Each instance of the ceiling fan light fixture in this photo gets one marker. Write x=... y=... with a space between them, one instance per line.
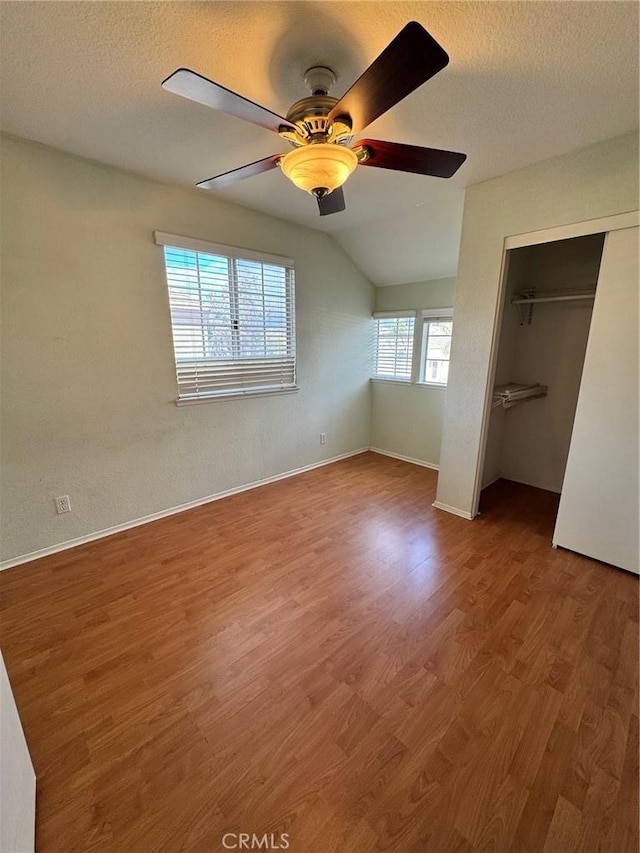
x=318 y=166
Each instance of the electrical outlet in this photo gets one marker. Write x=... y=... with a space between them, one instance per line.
x=323 y=438
x=63 y=504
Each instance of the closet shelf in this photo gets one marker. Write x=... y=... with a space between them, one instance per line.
x=511 y=395
x=556 y=296
x=530 y=297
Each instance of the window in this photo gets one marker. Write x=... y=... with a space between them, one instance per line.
x=233 y=319
x=436 y=350
x=425 y=361
x=394 y=345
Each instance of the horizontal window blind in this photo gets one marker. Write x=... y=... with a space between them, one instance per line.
x=394 y=346
x=436 y=313
x=377 y=315
x=233 y=321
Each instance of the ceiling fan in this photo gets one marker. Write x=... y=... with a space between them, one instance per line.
x=321 y=128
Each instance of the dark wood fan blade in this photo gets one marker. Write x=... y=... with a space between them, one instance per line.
x=332 y=203
x=412 y=158
x=406 y=63
x=239 y=174
x=189 y=84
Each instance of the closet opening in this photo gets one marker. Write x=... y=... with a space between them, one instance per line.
x=548 y=301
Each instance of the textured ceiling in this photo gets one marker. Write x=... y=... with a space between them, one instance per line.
x=526 y=81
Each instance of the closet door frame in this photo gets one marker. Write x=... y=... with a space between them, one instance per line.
x=601 y=225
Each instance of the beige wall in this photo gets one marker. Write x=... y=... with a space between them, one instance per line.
x=407 y=419
x=87 y=363
x=597 y=181
x=437 y=293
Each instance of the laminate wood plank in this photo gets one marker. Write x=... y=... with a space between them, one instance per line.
x=497 y=833
x=535 y=821
x=623 y=829
x=330 y=657
x=479 y=785
x=530 y=752
x=564 y=832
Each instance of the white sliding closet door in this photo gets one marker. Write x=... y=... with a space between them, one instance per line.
x=599 y=514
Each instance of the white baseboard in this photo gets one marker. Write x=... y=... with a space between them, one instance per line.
x=453 y=510
x=490 y=482
x=164 y=513
x=404 y=458
x=544 y=486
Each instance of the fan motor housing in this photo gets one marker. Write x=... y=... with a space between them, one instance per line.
x=311 y=114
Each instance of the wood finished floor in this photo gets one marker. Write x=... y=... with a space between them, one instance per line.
x=331 y=658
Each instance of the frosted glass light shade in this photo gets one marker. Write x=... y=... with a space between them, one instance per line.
x=319 y=165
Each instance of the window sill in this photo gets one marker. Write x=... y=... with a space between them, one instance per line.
x=236 y=395
x=391 y=381
x=408 y=384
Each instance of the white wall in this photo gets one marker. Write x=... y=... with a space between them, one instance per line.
x=17 y=779
x=88 y=378
x=535 y=436
x=407 y=419
x=597 y=181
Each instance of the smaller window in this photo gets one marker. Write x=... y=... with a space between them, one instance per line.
x=394 y=345
x=436 y=349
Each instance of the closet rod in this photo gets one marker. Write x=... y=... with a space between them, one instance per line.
x=566 y=297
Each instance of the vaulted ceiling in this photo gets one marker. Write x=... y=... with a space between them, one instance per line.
x=526 y=81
